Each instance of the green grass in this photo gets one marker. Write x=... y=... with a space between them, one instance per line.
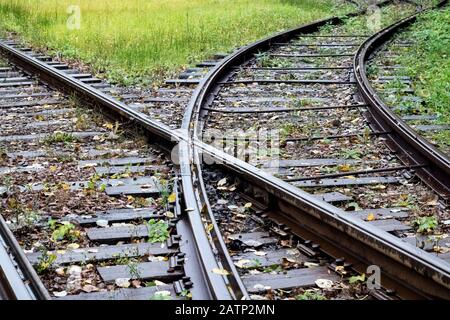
x=427 y=62
x=136 y=39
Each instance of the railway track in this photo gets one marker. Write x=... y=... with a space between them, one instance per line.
x=113 y=218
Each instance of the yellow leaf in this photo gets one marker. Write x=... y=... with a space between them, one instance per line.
x=172 y=198
x=248 y=205
x=370 y=217
x=39 y=118
x=108 y=125
x=222 y=272
x=65 y=186
x=210 y=227
x=344 y=168
x=53 y=168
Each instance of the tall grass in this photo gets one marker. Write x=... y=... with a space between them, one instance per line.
x=129 y=39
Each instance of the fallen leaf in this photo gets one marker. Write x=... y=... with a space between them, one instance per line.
x=60 y=271
x=310 y=264
x=344 y=168
x=172 y=198
x=339 y=268
x=60 y=293
x=89 y=288
x=324 y=283
x=65 y=186
x=433 y=202
x=102 y=223
x=74 y=270
x=252 y=243
x=370 y=217
x=53 y=168
x=169 y=214
x=108 y=125
x=222 y=272
x=260 y=287
x=73 y=246
x=222 y=182
x=123 y=282
x=260 y=253
x=244 y=263
x=248 y=205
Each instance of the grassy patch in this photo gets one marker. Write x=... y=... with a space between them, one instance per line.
x=427 y=63
x=60 y=137
x=136 y=39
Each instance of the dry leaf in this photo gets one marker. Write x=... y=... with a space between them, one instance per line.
x=222 y=272
x=344 y=168
x=108 y=125
x=370 y=217
x=169 y=214
x=324 y=283
x=123 y=282
x=222 y=182
x=73 y=246
x=89 y=288
x=60 y=293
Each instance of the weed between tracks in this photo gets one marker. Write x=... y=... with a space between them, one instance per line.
x=133 y=39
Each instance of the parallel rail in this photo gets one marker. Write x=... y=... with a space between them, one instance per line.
x=402 y=263
x=412 y=147
x=406 y=266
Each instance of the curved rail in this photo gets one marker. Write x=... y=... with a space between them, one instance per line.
x=413 y=148
x=399 y=260
x=409 y=264
x=216 y=286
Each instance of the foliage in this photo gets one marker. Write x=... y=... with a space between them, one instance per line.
x=60 y=137
x=310 y=295
x=63 y=230
x=425 y=225
x=45 y=261
x=357 y=279
x=158 y=231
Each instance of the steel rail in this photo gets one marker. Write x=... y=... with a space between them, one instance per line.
x=418 y=270
x=300 y=206
x=22 y=283
x=217 y=284
x=412 y=148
